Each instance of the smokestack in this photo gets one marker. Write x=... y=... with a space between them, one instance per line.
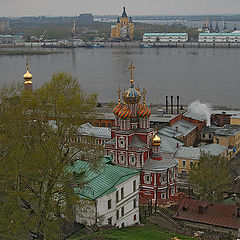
x=177 y=104
x=171 y=104
x=166 y=104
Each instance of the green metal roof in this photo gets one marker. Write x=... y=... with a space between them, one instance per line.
x=219 y=34
x=103 y=181
x=165 y=34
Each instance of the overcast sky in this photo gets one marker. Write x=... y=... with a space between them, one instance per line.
x=134 y=7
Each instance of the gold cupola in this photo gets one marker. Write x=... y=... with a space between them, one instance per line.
x=27 y=76
x=156 y=141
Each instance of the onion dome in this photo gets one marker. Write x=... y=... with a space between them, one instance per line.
x=27 y=76
x=117 y=109
x=156 y=140
x=124 y=113
x=131 y=95
x=144 y=112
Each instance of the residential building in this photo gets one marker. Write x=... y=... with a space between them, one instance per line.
x=182 y=130
x=165 y=37
x=85 y=18
x=134 y=144
x=209 y=216
x=99 y=135
x=222 y=117
x=219 y=38
x=187 y=156
x=196 y=119
x=229 y=136
x=111 y=196
x=208 y=133
x=124 y=28
x=235 y=120
x=108 y=120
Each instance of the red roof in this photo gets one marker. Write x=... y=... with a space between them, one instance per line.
x=213 y=214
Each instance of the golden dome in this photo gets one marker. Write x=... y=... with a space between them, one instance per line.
x=156 y=140
x=27 y=75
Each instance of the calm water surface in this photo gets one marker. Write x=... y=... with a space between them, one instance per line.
x=210 y=75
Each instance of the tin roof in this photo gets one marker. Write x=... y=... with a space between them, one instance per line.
x=159 y=165
x=195 y=152
x=228 y=130
x=165 y=34
x=180 y=128
x=196 y=116
x=102 y=182
x=169 y=144
x=212 y=214
x=219 y=34
x=89 y=130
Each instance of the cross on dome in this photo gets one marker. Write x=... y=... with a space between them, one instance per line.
x=119 y=94
x=131 y=68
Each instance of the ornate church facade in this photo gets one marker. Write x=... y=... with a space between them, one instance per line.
x=135 y=145
x=124 y=27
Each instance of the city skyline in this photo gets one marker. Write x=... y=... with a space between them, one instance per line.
x=105 y=7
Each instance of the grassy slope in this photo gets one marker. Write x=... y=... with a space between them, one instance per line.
x=140 y=232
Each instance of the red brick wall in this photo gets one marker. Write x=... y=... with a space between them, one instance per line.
x=220 y=119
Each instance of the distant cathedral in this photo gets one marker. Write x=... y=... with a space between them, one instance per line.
x=124 y=27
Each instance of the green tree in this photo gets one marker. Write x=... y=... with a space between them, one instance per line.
x=36 y=128
x=210 y=177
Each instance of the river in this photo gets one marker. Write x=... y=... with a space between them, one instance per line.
x=209 y=75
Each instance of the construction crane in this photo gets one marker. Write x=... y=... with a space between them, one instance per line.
x=42 y=36
x=74 y=28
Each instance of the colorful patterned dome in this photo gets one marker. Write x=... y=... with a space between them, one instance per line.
x=124 y=113
x=117 y=109
x=132 y=95
x=144 y=112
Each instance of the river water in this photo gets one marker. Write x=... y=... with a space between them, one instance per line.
x=209 y=75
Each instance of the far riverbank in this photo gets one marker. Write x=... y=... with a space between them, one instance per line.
x=20 y=52
x=137 y=44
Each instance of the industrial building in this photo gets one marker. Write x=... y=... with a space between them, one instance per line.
x=219 y=37
x=165 y=37
x=11 y=39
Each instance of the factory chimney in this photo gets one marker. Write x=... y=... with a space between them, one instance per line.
x=166 y=104
x=177 y=104
x=171 y=104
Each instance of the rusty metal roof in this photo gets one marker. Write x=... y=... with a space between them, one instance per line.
x=213 y=214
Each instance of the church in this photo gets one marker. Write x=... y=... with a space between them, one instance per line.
x=135 y=145
x=124 y=28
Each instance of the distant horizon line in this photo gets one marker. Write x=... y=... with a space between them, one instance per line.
x=132 y=15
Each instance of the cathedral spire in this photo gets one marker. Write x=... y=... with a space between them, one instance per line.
x=124 y=14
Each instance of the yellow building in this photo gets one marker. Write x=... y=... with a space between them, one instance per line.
x=187 y=156
x=229 y=136
x=124 y=27
x=235 y=120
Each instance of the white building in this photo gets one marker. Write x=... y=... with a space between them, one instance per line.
x=99 y=134
x=219 y=37
x=165 y=37
x=11 y=39
x=111 y=196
